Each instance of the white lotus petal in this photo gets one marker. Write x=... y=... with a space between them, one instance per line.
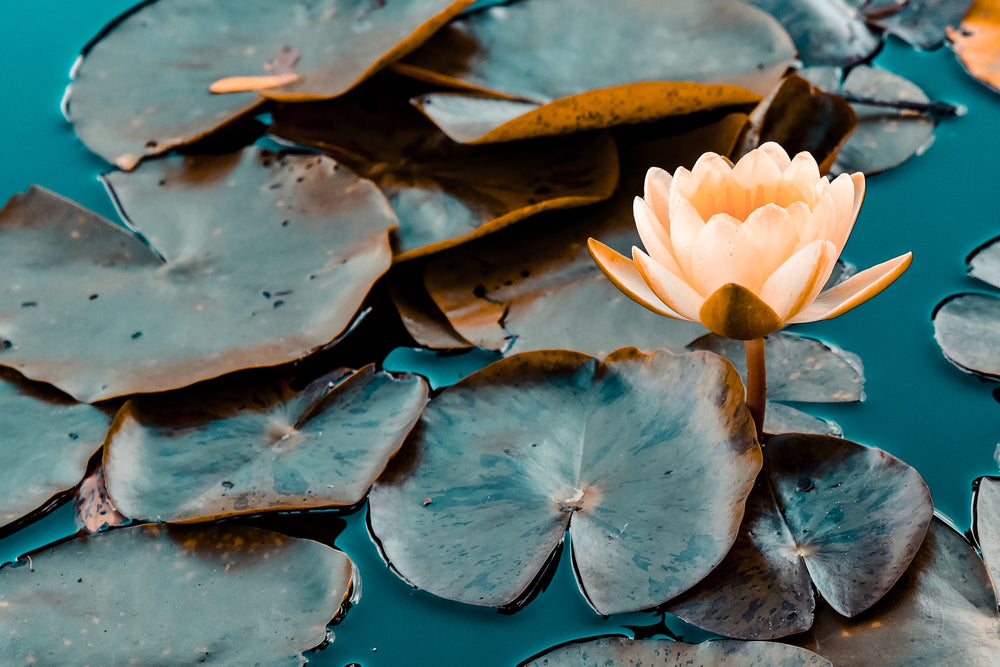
x=773 y=233
x=670 y=288
x=685 y=226
x=756 y=169
x=654 y=237
x=798 y=181
x=820 y=224
x=797 y=282
x=722 y=254
x=657 y=193
x=854 y=291
x=623 y=273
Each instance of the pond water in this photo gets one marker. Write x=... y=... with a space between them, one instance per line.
x=940 y=205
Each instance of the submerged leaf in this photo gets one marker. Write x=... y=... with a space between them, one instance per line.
x=846 y=517
x=967 y=328
x=625 y=652
x=174 y=595
x=143 y=86
x=252 y=260
x=646 y=460
x=207 y=452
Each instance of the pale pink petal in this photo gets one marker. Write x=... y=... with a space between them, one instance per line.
x=798 y=181
x=773 y=233
x=657 y=193
x=847 y=200
x=722 y=254
x=709 y=162
x=685 y=226
x=820 y=224
x=854 y=291
x=799 y=280
x=623 y=274
x=683 y=184
x=756 y=173
x=715 y=179
x=776 y=153
x=654 y=237
x=670 y=288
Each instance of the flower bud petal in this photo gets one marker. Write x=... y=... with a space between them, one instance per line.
x=656 y=192
x=797 y=282
x=654 y=237
x=723 y=254
x=854 y=291
x=671 y=289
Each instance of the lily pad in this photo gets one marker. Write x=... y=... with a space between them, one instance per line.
x=846 y=517
x=645 y=459
x=566 y=65
x=446 y=193
x=252 y=260
x=142 y=87
x=984 y=262
x=154 y=595
x=826 y=32
x=622 y=652
x=208 y=452
x=986 y=522
x=780 y=418
x=923 y=23
x=943 y=611
x=45 y=443
x=967 y=328
x=976 y=42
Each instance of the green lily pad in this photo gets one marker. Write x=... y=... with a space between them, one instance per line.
x=780 y=418
x=566 y=65
x=986 y=522
x=153 y=595
x=967 y=329
x=622 y=652
x=142 y=86
x=943 y=611
x=45 y=443
x=884 y=137
x=446 y=193
x=846 y=517
x=208 y=452
x=826 y=32
x=253 y=260
x=645 y=459
x=984 y=262
x=923 y=23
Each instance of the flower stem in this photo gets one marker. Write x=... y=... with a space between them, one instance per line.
x=756 y=383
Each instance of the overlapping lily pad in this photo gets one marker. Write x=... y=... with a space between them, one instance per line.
x=208 y=451
x=943 y=611
x=845 y=517
x=252 y=260
x=826 y=32
x=922 y=23
x=645 y=459
x=986 y=522
x=566 y=65
x=153 y=595
x=622 y=652
x=967 y=325
x=143 y=86
x=45 y=443
x=445 y=193
x=976 y=42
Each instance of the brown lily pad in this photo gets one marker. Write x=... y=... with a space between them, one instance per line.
x=976 y=42
x=229 y=262
x=142 y=87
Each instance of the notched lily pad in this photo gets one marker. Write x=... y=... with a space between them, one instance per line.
x=155 y=595
x=645 y=459
x=826 y=32
x=252 y=260
x=143 y=86
x=207 y=452
x=943 y=611
x=45 y=443
x=446 y=193
x=846 y=517
x=622 y=652
x=967 y=329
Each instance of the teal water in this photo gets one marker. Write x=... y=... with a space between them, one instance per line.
x=940 y=205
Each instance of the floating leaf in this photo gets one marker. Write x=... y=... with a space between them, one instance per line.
x=986 y=522
x=942 y=612
x=976 y=42
x=420 y=316
x=208 y=452
x=253 y=260
x=967 y=328
x=847 y=517
x=445 y=193
x=984 y=262
x=645 y=459
x=826 y=32
x=780 y=418
x=45 y=444
x=625 y=652
x=174 y=595
x=923 y=23
x=142 y=87
x=566 y=65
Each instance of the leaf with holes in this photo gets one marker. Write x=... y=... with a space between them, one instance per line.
x=208 y=451
x=173 y=595
x=645 y=459
x=144 y=85
x=847 y=518
x=252 y=260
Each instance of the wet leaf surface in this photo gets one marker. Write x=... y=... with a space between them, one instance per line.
x=211 y=451
x=445 y=193
x=646 y=460
x=967 y=328
x=142 y=88
x=567 y=66
x=781 y=418
x=846 y=517
x=923 y=23
x=622 y=652
x=826 y=32
x=45 y=443
x=253 y=260
x=986 y=522
x=220 y=595
x=976 y=42
x=943 y=611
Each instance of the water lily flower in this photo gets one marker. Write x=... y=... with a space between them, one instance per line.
x=745 y=249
